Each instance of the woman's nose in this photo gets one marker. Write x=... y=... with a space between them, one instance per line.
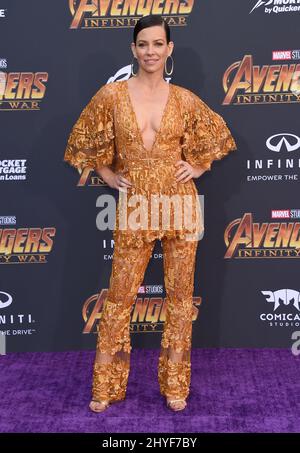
x=150 y=50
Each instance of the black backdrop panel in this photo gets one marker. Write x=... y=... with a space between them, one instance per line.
x=241 y=58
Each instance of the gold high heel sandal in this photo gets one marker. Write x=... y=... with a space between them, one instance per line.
x=106 y=404
x=170 y=402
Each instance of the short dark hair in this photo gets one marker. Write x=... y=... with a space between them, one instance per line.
x=149 y=21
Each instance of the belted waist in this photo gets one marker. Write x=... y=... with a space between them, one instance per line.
x=148 y=162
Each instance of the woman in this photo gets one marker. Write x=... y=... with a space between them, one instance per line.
x=148 y=138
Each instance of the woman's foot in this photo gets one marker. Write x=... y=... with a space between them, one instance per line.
x=99 y=406
x=176 y=405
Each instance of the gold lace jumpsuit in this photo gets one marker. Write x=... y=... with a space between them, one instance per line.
x=107 y=133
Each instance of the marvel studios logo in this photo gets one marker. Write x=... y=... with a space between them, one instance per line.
x=285 y=214
x=151 y=289
x=286 y=54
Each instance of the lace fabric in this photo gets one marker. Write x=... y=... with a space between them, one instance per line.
x=107 y=134
x=174 y=367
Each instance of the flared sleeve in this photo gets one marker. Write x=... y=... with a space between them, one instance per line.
x=206 y=135
x=91 y=141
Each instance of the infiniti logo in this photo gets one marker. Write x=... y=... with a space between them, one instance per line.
x=7 y=300
x=276 y=142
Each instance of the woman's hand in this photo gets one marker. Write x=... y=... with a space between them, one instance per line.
x=114 y=180
x=187 y=172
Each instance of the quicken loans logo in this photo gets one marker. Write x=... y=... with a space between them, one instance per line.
x=120 y=14
x=277 y=6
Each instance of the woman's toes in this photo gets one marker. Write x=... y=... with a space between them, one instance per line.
x=97 y=406
x=177 y=405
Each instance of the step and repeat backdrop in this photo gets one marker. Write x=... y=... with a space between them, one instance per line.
x=243 y=59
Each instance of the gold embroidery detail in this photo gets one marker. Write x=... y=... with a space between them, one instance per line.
x=106 y=134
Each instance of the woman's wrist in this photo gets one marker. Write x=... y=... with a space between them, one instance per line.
x=199 y=170
x=104 y=172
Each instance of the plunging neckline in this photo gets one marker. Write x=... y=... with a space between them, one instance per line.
x=137 y=124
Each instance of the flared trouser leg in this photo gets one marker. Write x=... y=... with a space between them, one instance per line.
x=110 y=376
x=174 y=366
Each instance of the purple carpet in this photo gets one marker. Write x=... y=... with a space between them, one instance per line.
x=232 y=391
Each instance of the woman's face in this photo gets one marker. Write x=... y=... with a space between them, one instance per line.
x=151 y=49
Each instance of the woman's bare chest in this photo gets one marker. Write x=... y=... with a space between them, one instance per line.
x=147 y=125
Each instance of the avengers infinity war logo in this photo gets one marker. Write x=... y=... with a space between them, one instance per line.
x=247 y=239
x=125 y=13
x=246 y=83
x=147 y=315
x=22 y=90
x=26 y=245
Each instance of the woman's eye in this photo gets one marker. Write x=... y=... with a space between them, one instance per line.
x=158 y=44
